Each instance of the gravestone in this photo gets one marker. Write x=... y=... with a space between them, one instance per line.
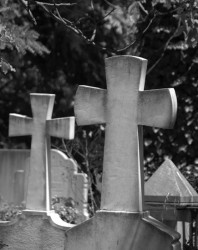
x=122 y=223
x=38 y=227
x=40 y=127
x=170 y=198
x=67 y=182
x=65 y=179
x=12 y=161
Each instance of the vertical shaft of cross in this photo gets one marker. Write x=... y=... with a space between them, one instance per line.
x=39 y=172
x=123 y=140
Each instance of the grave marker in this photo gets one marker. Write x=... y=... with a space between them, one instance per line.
x=124 y=107
x=40 y=127
x=66 y=181
x=10 y=162
x=167 y=184
x=171 y=199
x=121 y=224
x=38 y=227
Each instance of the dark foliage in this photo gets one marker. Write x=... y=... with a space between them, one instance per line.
x=164 y=32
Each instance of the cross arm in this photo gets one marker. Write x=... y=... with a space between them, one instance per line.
x=90 y=105
x=157 y=108
x=61 y=127
x=19 y=125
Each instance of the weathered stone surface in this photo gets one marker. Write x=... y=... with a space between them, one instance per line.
x=168 y=185
x=40 y=127
x=169 y=196
x=10 y=162
x=124 y=107
x=66 y=181
x=19 y=184
x=32 y=231
x=121 y=231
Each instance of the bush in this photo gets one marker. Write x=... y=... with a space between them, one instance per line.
x=9 y=212
x=66 y=208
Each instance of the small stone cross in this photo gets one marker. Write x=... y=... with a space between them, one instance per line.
x=124 y=107
x=40 y=127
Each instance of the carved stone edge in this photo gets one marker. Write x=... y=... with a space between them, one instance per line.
x=144 y=216
x=162 y=227
x=53 y=218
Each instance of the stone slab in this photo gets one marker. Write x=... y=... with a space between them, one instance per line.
x=121 y=223
x=33 y=232
x=66 y=181
x=121 y=231
x=169 y=197
x=168 y=185
x=10 y=162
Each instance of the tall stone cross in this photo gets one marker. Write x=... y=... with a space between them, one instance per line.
x=124 y=107
x=40 y=127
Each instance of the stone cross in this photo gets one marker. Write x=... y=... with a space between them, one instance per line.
x=124 y=107
x=40 y=127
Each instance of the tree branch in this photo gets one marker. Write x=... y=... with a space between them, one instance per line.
x=57 y=4
x=68 y=24
x=26 y=6
x=164 y=49
x=65 y=22
x=139 y=37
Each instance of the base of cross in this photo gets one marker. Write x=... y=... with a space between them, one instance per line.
x=34 y=230
x=122 y=231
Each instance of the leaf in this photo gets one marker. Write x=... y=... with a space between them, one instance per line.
x=134 y=12
x=168 y=4
x=192 y=38
x=5 y=66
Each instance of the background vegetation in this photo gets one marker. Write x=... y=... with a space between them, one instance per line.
x=54 y=46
